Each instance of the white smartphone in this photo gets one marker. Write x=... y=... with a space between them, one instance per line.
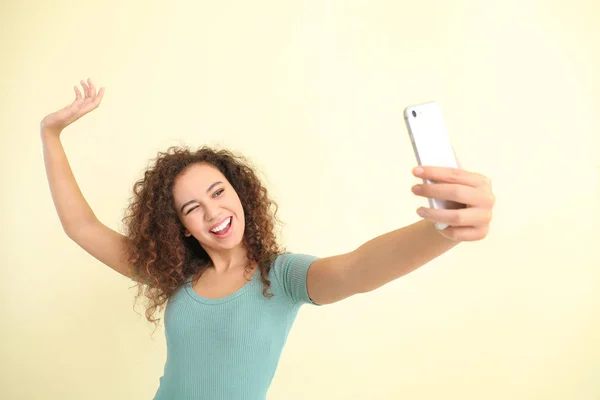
x=431 y=145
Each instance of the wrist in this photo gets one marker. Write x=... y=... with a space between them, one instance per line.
x=49 y=133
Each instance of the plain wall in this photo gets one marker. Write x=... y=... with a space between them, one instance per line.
x=313 y=93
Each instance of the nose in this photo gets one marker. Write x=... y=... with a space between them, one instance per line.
x=210 y=213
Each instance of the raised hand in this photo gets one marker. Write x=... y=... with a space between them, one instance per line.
x=57 y=121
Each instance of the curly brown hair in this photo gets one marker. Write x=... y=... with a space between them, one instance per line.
x=162 y=258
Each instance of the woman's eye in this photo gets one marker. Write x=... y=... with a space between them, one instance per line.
x=191 y=209
x=218 y=192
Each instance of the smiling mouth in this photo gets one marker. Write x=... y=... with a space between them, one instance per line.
x=223 y=228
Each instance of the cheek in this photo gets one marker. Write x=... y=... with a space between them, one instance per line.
x=241 y=214
x=194 y=222
x=236 y=205
x=239 y=211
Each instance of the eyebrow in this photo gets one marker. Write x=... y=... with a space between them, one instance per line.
x=207 y=190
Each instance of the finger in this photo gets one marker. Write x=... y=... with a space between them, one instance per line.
x=77 y=103
x=93 y=104
x=77 y=93
x=86 y=89
x=472 y=216
x=98 y=98
x=96 y=102
x=450 y=175
x=454 y=192
x=466 y=234
x=92 y=88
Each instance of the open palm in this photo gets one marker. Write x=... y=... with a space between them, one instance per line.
x=82 y=105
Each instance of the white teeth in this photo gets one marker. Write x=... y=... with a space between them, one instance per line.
x=224 y=225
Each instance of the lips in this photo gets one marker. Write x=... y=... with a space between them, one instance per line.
x=221 y=227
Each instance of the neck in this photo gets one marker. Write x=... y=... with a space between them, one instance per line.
x=228 y=260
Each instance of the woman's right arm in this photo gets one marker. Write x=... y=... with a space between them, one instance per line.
x=76 y=216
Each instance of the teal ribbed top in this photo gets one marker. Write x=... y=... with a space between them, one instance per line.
x=228 y=348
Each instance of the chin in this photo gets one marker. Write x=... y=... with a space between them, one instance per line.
x=233 y=243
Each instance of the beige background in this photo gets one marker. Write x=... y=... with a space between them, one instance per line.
x=313 y=93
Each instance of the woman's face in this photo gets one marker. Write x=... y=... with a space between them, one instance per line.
x=209 y=208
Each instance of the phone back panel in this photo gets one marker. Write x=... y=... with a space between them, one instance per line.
x=431 y=142
x=429 y=136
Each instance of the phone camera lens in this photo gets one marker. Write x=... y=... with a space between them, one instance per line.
x=414 y=113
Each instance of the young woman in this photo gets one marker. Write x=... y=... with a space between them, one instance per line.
x=200 y=243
